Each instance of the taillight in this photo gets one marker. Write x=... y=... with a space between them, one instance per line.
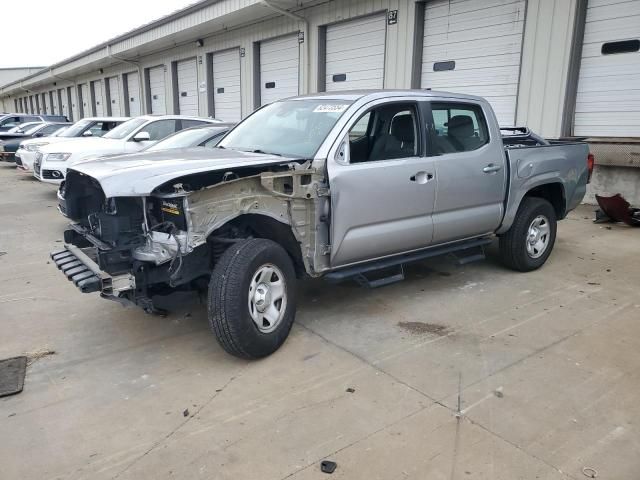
x=591 y=160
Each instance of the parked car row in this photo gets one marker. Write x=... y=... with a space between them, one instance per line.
x=47 y=151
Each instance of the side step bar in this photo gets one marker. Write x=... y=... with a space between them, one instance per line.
x=358 y=272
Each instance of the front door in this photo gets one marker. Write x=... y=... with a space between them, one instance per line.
x=470 y=169
x=383 y=189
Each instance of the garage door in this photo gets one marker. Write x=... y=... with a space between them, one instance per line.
x=98 y=106
x=133 y=94
x=608 y=97
x=64 y=102
x=53 y=98
x=226 y=85
x=474 y=47
x=187 y=73
x=114 y=96
x=355 y=54
x=279 y=63
x=157 y=90
x=43 y=101
x=84 y=101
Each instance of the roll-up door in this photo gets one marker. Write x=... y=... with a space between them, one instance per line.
x=474 y=47
x=608 y=96
x=355 y=54
x=64 y=102
x=38 y=110
x=187 y=74
x=53 y=97
x=114 y=96
x=279 y=64
x=133 y=94
x=98 y=106
x=157 y=90
x=43 y=100
x=85 y=110
x=226 y=85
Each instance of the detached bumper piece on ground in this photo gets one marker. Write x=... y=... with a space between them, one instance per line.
x=617 y=209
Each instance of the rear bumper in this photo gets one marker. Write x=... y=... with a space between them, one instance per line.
x=79 y=267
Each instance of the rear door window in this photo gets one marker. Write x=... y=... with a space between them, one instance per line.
x=457 y=127
x=160 y=129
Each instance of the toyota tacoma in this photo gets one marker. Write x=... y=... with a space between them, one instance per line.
x=338 y=185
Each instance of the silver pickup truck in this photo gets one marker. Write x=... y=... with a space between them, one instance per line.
x=342 y=185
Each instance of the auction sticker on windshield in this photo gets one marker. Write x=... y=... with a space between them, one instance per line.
x=330 y=108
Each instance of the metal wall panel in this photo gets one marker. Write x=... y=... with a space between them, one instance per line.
x=608 y=96
x=157 y=90
x=133 y=94
x=226 y=89
x=474 y=47
x=98 y=102
x=187 y=87
x=279 y=68
x=114 y=96
x=355 y=52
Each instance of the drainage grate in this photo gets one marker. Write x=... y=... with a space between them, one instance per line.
x=12 y=371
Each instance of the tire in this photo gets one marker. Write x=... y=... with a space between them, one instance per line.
x=516 y=250
x=243 y=269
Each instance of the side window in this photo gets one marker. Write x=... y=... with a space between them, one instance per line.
x=29 y=119
x=10 y=121
x=98 y=129
x=359 y=130
x=458 y=127
x=385 y=133
x=49 y=129
x=160 y=129
x=190 y=123
x=213 y=141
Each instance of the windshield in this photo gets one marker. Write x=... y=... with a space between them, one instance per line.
x=76 y=129
x=294 y=128
x=60 y=132
x=126 y=128
x=185 y=139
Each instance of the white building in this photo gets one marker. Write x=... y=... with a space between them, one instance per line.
x=562 y=67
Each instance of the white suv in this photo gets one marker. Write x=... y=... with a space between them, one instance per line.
x=87 y=127
x=132 y=136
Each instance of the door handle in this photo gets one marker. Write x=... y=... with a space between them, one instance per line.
x=491 y=168
x=421 y=177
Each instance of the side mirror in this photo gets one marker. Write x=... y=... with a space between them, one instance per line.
x=87 y=133
x=141 y=137
x=39 y=134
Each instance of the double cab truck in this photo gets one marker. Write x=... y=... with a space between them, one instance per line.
x=336 y=185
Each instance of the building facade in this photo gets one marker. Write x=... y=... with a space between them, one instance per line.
x=564 y=68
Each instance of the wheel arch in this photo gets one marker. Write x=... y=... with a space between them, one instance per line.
x=552 y=190
x=259 y=225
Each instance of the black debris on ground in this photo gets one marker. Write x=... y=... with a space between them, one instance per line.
x=327 y=466
x=12 y=372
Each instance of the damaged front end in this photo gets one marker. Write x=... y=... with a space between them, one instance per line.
x=130 y=249
x=126 y=248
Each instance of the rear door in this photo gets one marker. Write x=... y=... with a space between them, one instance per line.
x=382 y=194
x=470 y=171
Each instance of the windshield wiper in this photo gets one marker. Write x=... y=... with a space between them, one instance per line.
x=257 y=150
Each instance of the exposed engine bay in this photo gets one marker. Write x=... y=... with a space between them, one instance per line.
x=170 y=240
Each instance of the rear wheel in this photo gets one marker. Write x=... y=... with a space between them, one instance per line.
x=252 y=298
x=529 y=241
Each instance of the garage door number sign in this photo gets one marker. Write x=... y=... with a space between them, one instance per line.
x=392 y=17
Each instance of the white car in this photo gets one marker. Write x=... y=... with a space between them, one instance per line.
x=132 y=136
x=87 y=127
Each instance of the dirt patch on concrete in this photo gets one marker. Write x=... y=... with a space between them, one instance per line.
x=422 y=328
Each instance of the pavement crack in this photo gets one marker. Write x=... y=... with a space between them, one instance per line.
x=367 y=362
x=182 y=424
